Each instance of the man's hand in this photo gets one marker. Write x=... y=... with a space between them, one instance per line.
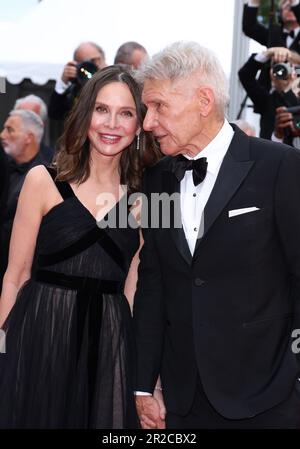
x=283 y=120
x=148 y=410
x=158 y=395
x=286 y=4
x=255 y=3
x=69 y=72
x=279 y=54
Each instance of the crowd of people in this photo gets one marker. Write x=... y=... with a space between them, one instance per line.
x=150 y=266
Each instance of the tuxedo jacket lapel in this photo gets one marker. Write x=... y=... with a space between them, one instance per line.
x=234 y=169
x=171 y=186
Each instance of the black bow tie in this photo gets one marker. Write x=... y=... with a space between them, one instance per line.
x=182 y=164
x=291 y=34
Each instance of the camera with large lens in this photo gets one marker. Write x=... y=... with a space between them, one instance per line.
x=282 y=70
x=85 y=71
x=295 y=111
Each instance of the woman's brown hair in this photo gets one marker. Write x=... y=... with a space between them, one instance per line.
x=72 y=160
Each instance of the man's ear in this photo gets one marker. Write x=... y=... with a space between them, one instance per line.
x=30 y=137
x=206 y=99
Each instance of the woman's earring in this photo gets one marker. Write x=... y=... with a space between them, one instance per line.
x=138 y=142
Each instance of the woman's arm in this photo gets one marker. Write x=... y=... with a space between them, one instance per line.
x=23 y=239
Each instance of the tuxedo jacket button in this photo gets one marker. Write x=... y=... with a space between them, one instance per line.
x=199 y=282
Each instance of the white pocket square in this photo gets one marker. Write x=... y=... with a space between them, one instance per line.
x=244 y=210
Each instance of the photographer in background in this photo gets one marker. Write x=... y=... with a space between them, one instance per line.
x=284 y=34
x=265 y=101
x=67 y=87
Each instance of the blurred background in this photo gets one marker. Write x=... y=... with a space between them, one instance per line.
x=39 y=37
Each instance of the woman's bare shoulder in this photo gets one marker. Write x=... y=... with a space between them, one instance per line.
x=39 y=175
x=40 y=187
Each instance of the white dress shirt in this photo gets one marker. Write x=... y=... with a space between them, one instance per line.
x=61 y=86
x=194 y=198
x=290 y=39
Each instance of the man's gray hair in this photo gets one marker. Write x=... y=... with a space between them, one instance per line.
x=96 y=46
x=34 y=99
x=180 y=60
x=30 y=121
x=125 y=52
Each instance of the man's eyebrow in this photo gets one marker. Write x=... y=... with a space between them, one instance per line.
x=153 y=100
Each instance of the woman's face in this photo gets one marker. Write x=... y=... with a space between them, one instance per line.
x=114 y=120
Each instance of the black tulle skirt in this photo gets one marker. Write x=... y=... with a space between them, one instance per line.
x=69 y=359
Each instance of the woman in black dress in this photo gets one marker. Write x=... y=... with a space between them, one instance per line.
x=69 y=360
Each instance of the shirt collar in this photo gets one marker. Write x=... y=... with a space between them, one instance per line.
x=217 y=148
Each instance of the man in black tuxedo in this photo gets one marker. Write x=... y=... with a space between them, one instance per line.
x=218 y=298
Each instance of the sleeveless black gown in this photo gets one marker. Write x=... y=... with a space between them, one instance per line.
x=69 y=360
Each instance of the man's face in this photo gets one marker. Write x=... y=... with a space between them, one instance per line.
x=287 y=14
x=13 y=137
x=173 y=114
x=88 y=52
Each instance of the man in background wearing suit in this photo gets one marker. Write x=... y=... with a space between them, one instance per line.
x=217 y=299
x=265 y=101
x=285 y=34
x=21 y=137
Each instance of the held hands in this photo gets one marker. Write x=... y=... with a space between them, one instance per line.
x=69 y=72
x=151 y=411
x=158 y=395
